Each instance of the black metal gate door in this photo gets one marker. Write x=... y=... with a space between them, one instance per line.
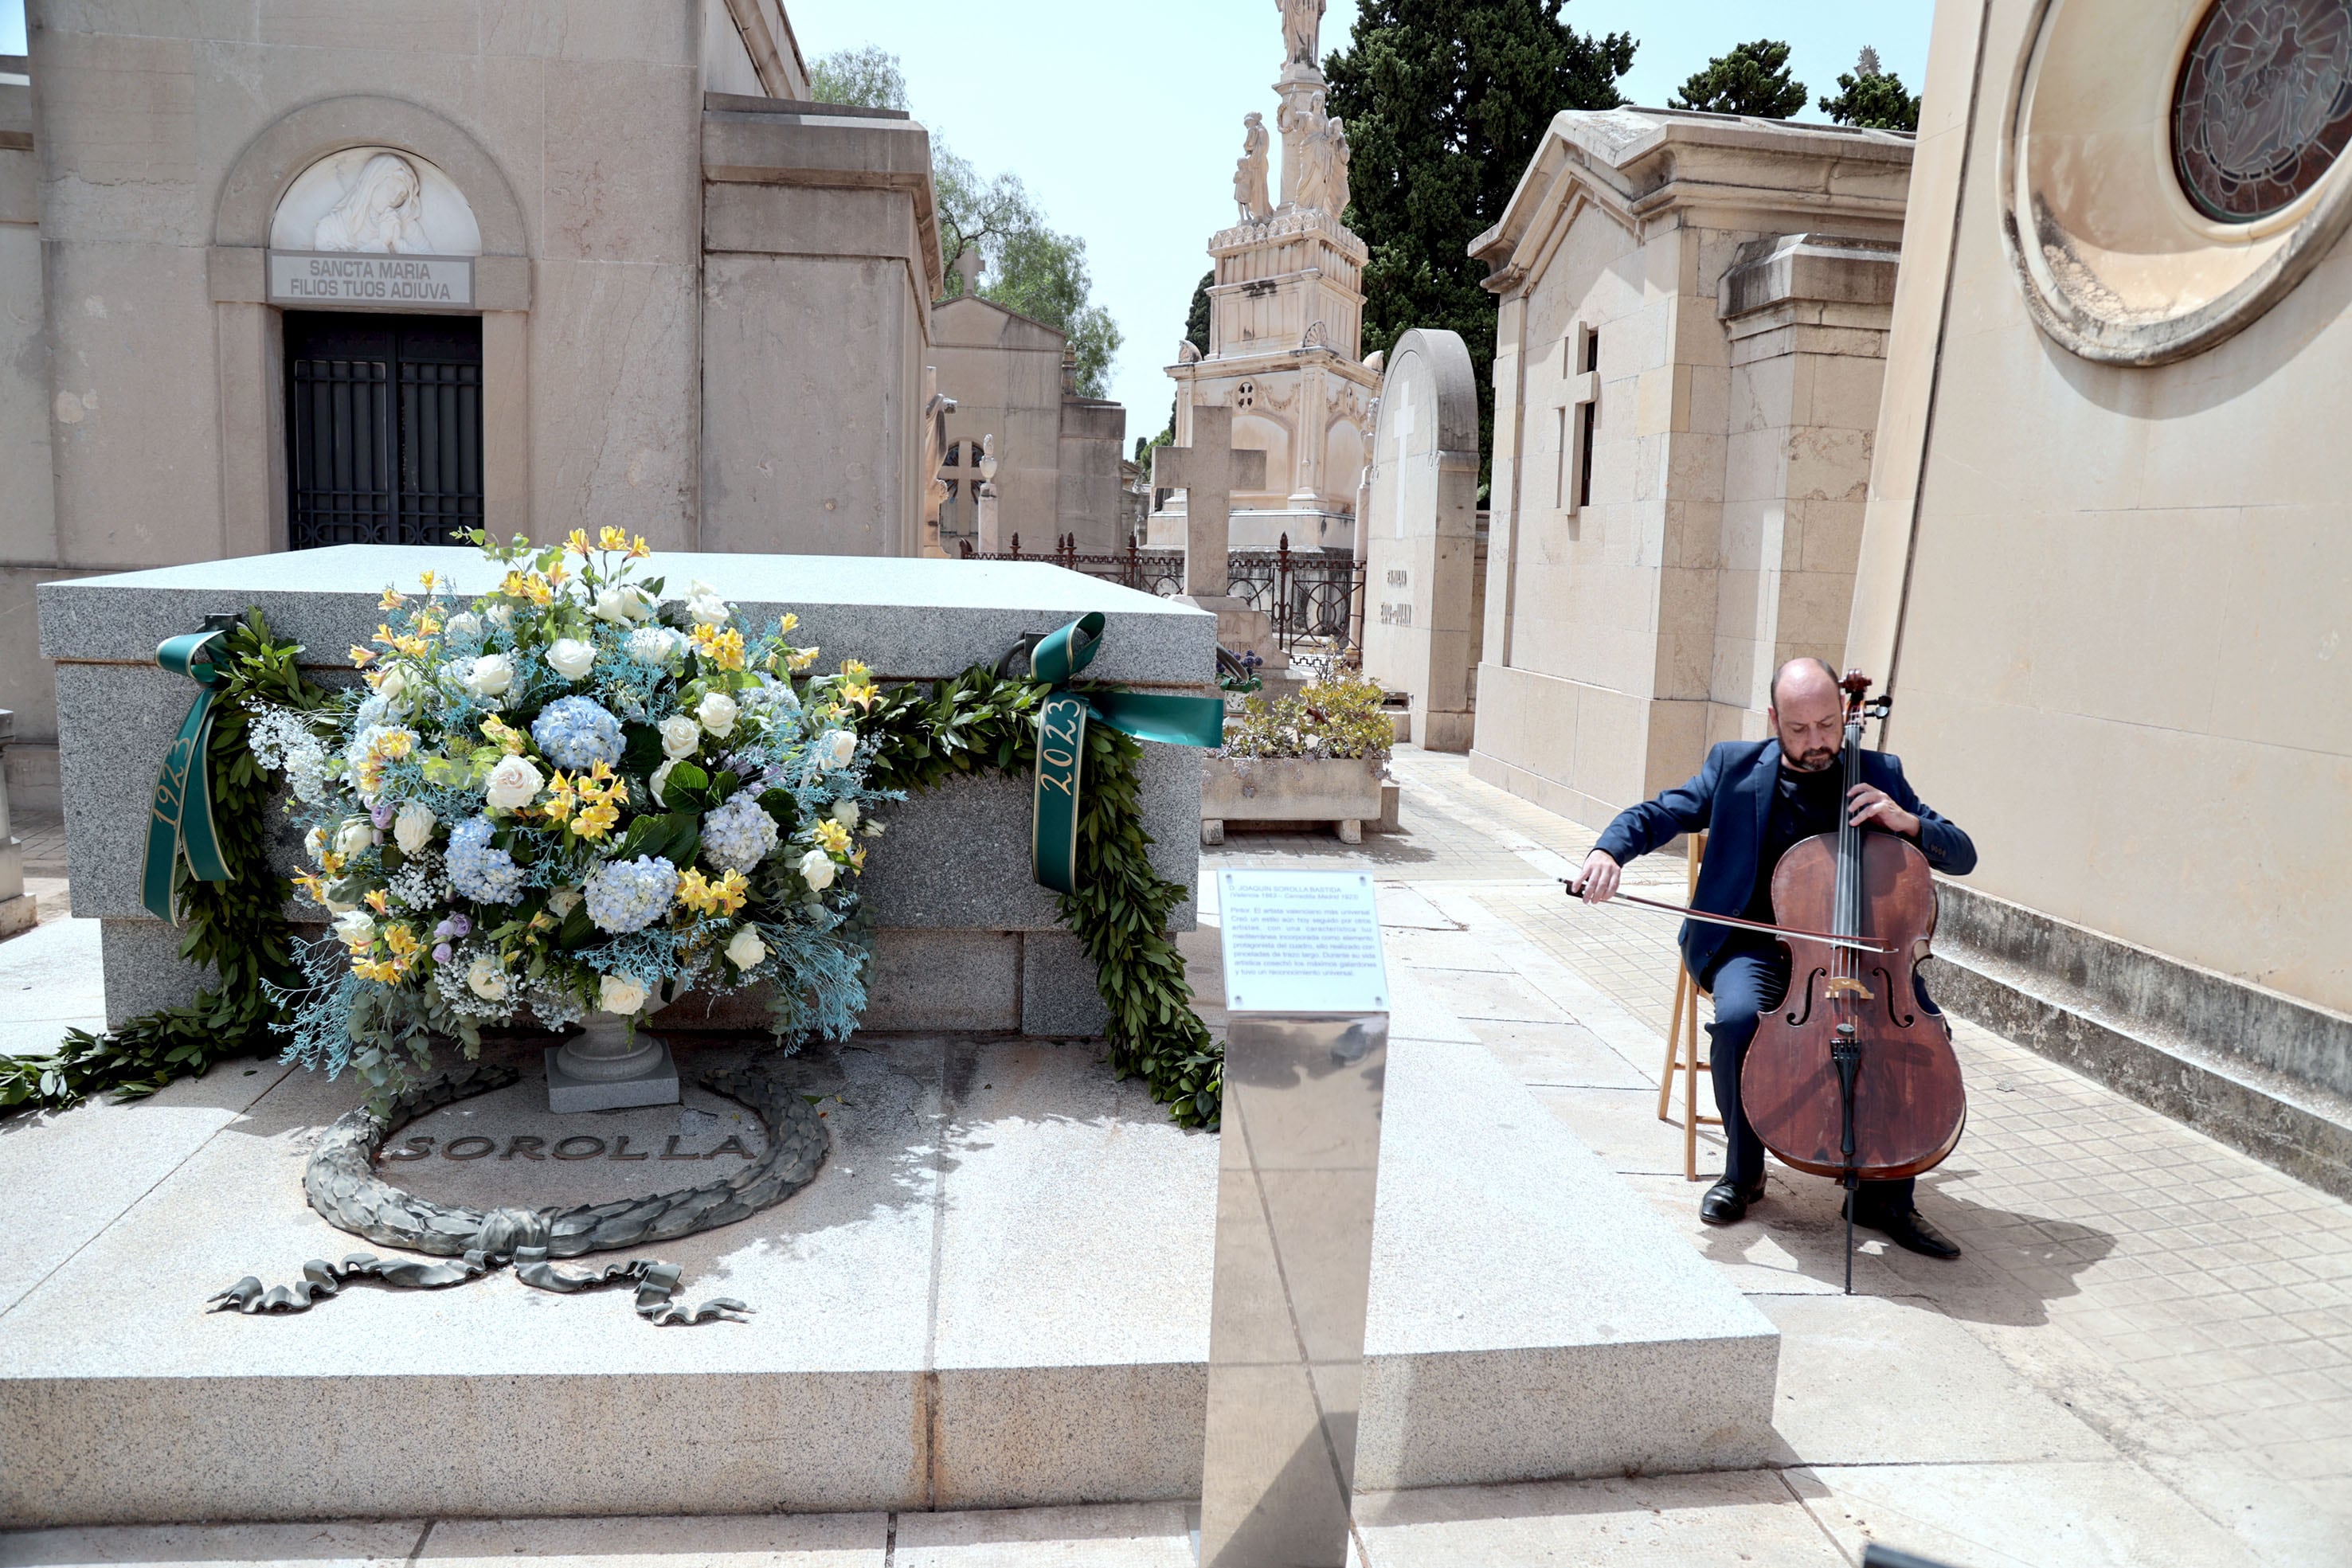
x=383 y=428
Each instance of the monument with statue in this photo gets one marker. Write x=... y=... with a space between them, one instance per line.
x=1286 y=322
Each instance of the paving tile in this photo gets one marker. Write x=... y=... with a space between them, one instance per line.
x=1748 y=1517
x=2095 y=1515
x=1131 y=1535
x=726 y=1540
x=1564 y=1055
x=1621 y=1126
x=347 y=1544
x=1881 y=1380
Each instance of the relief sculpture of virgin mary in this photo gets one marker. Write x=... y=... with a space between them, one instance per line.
x=383 y=211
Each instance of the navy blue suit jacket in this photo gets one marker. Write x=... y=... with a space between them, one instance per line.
x=1729 y=797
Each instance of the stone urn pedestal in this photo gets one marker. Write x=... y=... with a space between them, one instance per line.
x=611 y=1067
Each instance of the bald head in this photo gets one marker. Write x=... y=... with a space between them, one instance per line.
x=1807 y=713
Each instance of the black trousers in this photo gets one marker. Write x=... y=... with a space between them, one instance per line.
x=1749 y=977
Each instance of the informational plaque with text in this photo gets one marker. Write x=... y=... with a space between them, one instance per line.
x=1301 y=942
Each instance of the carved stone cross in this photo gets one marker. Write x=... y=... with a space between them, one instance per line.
x=1208 y=472
x=1579 y=409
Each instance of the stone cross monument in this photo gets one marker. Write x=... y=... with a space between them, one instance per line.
x=1286 y=322
x=1209 y=471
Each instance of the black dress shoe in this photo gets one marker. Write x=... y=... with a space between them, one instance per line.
x=1726 y=1203
x=1910 y=1231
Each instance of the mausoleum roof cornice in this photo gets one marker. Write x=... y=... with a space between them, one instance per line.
x=831 y=146
x=1641 y=165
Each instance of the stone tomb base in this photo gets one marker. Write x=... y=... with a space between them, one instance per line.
x=995 y=1294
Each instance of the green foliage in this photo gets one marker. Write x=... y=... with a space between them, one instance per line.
x=869 y=78
x=238 y=926
x=1338 y=716
x=1753 y=78
x=1445 y=101
x=1031 y=267
x=1873 y=97
x=1196 y=318
x=977 y=723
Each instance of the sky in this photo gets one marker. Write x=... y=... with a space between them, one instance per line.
x=1124 y=120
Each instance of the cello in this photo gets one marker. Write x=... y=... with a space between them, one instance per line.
x=1849 y=1077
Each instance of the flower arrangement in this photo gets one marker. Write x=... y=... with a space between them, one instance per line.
x=569 y=795
x=1338 y=714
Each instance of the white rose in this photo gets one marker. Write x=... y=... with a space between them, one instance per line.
x=717 y=712
x=491 y=676
x=658 y=785
x=746 y=949
x=465 y=626
x=354 y=837
x=841 y=745
x=570 y=657
x=563 y=901
x=413 y=828
x=393 y=688
x=315 y=841
x=355 y=929
x=816 y=870
x=702 y=602
x=619 y=994
x=619 y=606
x=512 y=784
x=845 y=813
x=680 y=734
x=500 y=616
x=486 y=981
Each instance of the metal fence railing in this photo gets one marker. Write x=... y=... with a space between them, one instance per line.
x=1310 y=595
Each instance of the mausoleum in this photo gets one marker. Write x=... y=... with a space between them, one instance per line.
x=572 y=267
x=1687 y=364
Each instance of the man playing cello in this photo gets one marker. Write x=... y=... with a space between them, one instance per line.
x=1758 y=798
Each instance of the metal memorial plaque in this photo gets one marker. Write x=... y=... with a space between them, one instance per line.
x=1301 y=942
x=1306 y=1055
x=356 y=280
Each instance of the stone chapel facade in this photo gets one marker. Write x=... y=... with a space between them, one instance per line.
x=272 y=278
x=1688 y=359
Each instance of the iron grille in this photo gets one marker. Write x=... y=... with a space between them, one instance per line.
x=383 y=428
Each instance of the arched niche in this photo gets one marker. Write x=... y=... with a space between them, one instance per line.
x=305 y=157
x=296 y=143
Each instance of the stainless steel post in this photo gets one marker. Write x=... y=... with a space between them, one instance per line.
x=1298 y=1177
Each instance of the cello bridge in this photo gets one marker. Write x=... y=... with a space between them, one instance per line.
x=1847 y=983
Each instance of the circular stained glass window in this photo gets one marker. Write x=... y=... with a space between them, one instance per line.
x=2263 y=104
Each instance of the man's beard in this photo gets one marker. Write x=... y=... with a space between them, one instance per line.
x=1811 y=761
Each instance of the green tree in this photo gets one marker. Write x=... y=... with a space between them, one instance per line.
x=868 y=76
x=1752 y=79
x=1029 y=266
x=1873 y=97
x=1445 y=101
x=1196 y=319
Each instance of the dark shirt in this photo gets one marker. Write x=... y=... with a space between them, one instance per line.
x=1803 y=804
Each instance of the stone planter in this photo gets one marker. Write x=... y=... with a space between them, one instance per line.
x=1343 y=791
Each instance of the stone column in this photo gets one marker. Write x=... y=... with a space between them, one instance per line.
x=17 y=909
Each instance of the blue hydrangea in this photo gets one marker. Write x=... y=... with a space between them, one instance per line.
x=478 y=870
x=738 y=835
x=629 y=895
x=576 y=732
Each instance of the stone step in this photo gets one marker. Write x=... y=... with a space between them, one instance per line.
x=996 y=1293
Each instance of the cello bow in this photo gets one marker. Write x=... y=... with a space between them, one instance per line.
x=1576 y=890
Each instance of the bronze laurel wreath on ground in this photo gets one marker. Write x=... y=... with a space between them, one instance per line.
x=976 y=723
x=341 y=1184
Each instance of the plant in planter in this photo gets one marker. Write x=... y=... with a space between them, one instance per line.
x=1318 y=756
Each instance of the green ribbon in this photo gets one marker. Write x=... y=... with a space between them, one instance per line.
x=1061 y=740
x=182 y=821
